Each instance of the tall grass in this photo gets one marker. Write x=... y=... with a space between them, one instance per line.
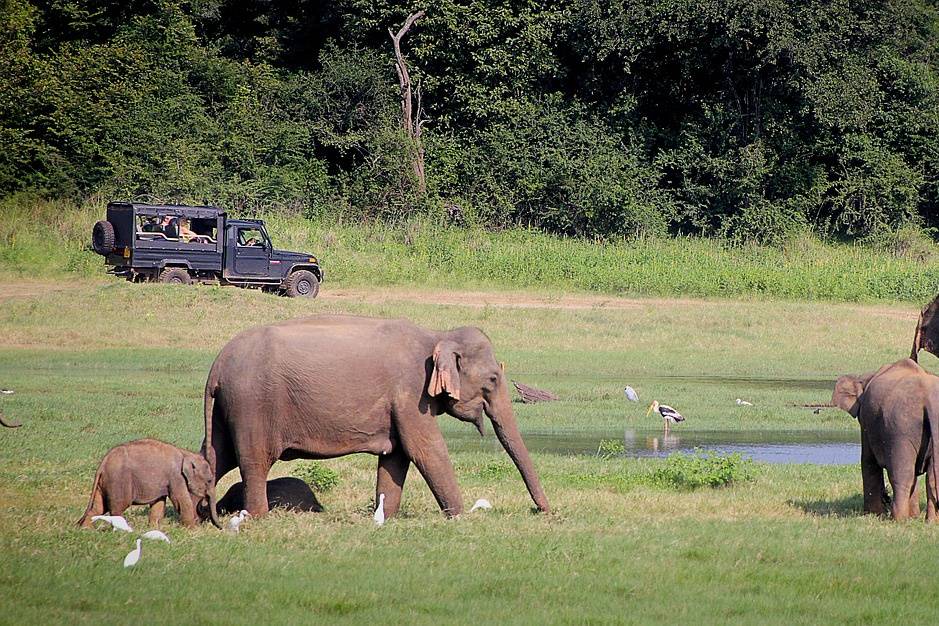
x=42 y=237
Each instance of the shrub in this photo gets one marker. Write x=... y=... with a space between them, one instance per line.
x=692 y=471
x=320 y=477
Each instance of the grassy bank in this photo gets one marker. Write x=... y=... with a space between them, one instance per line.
x=93 y=365
x=48 y=238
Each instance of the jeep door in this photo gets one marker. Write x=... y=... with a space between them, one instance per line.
x=252 y=252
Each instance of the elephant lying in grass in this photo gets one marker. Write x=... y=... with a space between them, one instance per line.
x=147 y=471
x=332 y=385
x=897 y=408
x=288 y=493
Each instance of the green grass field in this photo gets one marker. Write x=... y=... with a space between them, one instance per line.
x=96 y=362
x=46 y=238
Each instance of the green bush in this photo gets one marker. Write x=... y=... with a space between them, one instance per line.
x=320 y=477
x=692 y=471
x=610 y=448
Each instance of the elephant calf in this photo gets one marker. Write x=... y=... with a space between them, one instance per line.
x=897 y=408
x=147 y=471
x=288 y=493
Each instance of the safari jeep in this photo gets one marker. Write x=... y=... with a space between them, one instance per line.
x=183 y=244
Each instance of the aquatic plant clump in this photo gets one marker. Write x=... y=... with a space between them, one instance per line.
x=610 y=448
x=693 y=471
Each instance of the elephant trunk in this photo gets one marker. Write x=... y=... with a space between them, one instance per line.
x=213 y=508
x=503 y=422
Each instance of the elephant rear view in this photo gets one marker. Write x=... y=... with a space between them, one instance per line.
x=333 y=385
x=897 y=408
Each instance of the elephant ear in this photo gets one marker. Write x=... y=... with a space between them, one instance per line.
x=190 y=471
x=847 y=391
x=445 y=375
x=927 y=330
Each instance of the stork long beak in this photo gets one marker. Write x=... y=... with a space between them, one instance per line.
x=650 y=409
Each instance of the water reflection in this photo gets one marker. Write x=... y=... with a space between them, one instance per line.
x=821 y=448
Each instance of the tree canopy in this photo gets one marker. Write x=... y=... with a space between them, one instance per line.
x=743 y=119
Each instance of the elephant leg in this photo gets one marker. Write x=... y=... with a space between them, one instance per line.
x=254 y=475
x=182 y=502
x=425 y=445
x=157 y=509
x=392 y=471
x=914 y=499
x=904 y=483
x=931 y=504
x=872 y=476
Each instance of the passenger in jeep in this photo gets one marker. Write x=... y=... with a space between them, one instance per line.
x=169 y=227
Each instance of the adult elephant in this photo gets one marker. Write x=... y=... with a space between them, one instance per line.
x=897 y=408
x=333 y=385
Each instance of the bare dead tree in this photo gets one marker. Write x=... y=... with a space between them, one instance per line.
x=411 y=111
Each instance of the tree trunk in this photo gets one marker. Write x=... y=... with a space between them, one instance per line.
x=411 y=112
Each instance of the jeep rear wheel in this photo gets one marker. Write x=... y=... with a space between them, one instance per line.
x=302 y=284
x=175 y=276
x=102 y=237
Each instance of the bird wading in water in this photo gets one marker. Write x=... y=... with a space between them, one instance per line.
x=668 y=413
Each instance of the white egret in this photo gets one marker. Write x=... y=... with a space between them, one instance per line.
x=117 y=522
x=133 y=556
x=631 y=394
x=743 y=402
x=235 y=522
x=481 y=504
x=380 y=510
x=668 y=413
x=156 y=535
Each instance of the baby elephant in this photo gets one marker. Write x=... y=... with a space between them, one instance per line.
x=147 y=471
x=897 y=408
x=289 y=493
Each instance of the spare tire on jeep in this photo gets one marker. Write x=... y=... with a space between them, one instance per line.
x=102 y=237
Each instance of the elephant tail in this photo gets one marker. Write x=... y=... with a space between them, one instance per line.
x=211 y=389
x=932 y=416
x=95 y=494
x=208 y=451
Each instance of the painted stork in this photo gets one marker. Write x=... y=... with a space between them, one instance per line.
x=668 y=413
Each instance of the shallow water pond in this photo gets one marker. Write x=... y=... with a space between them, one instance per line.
x=820 y=448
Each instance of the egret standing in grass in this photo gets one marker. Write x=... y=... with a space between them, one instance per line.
x=234 y=524
x=156 y=535
x=668 y=413
x=133 y=556
x=631 y=394
x=481 y=504
x=117 y=522
x=380 y=510
x=741 y=402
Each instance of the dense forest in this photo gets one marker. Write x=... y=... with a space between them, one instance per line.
x=743 y=119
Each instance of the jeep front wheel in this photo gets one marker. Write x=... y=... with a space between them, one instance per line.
x=302 y=284
x=175 y=276
x=102 y=237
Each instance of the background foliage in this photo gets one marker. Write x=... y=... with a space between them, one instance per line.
x=735 y=118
